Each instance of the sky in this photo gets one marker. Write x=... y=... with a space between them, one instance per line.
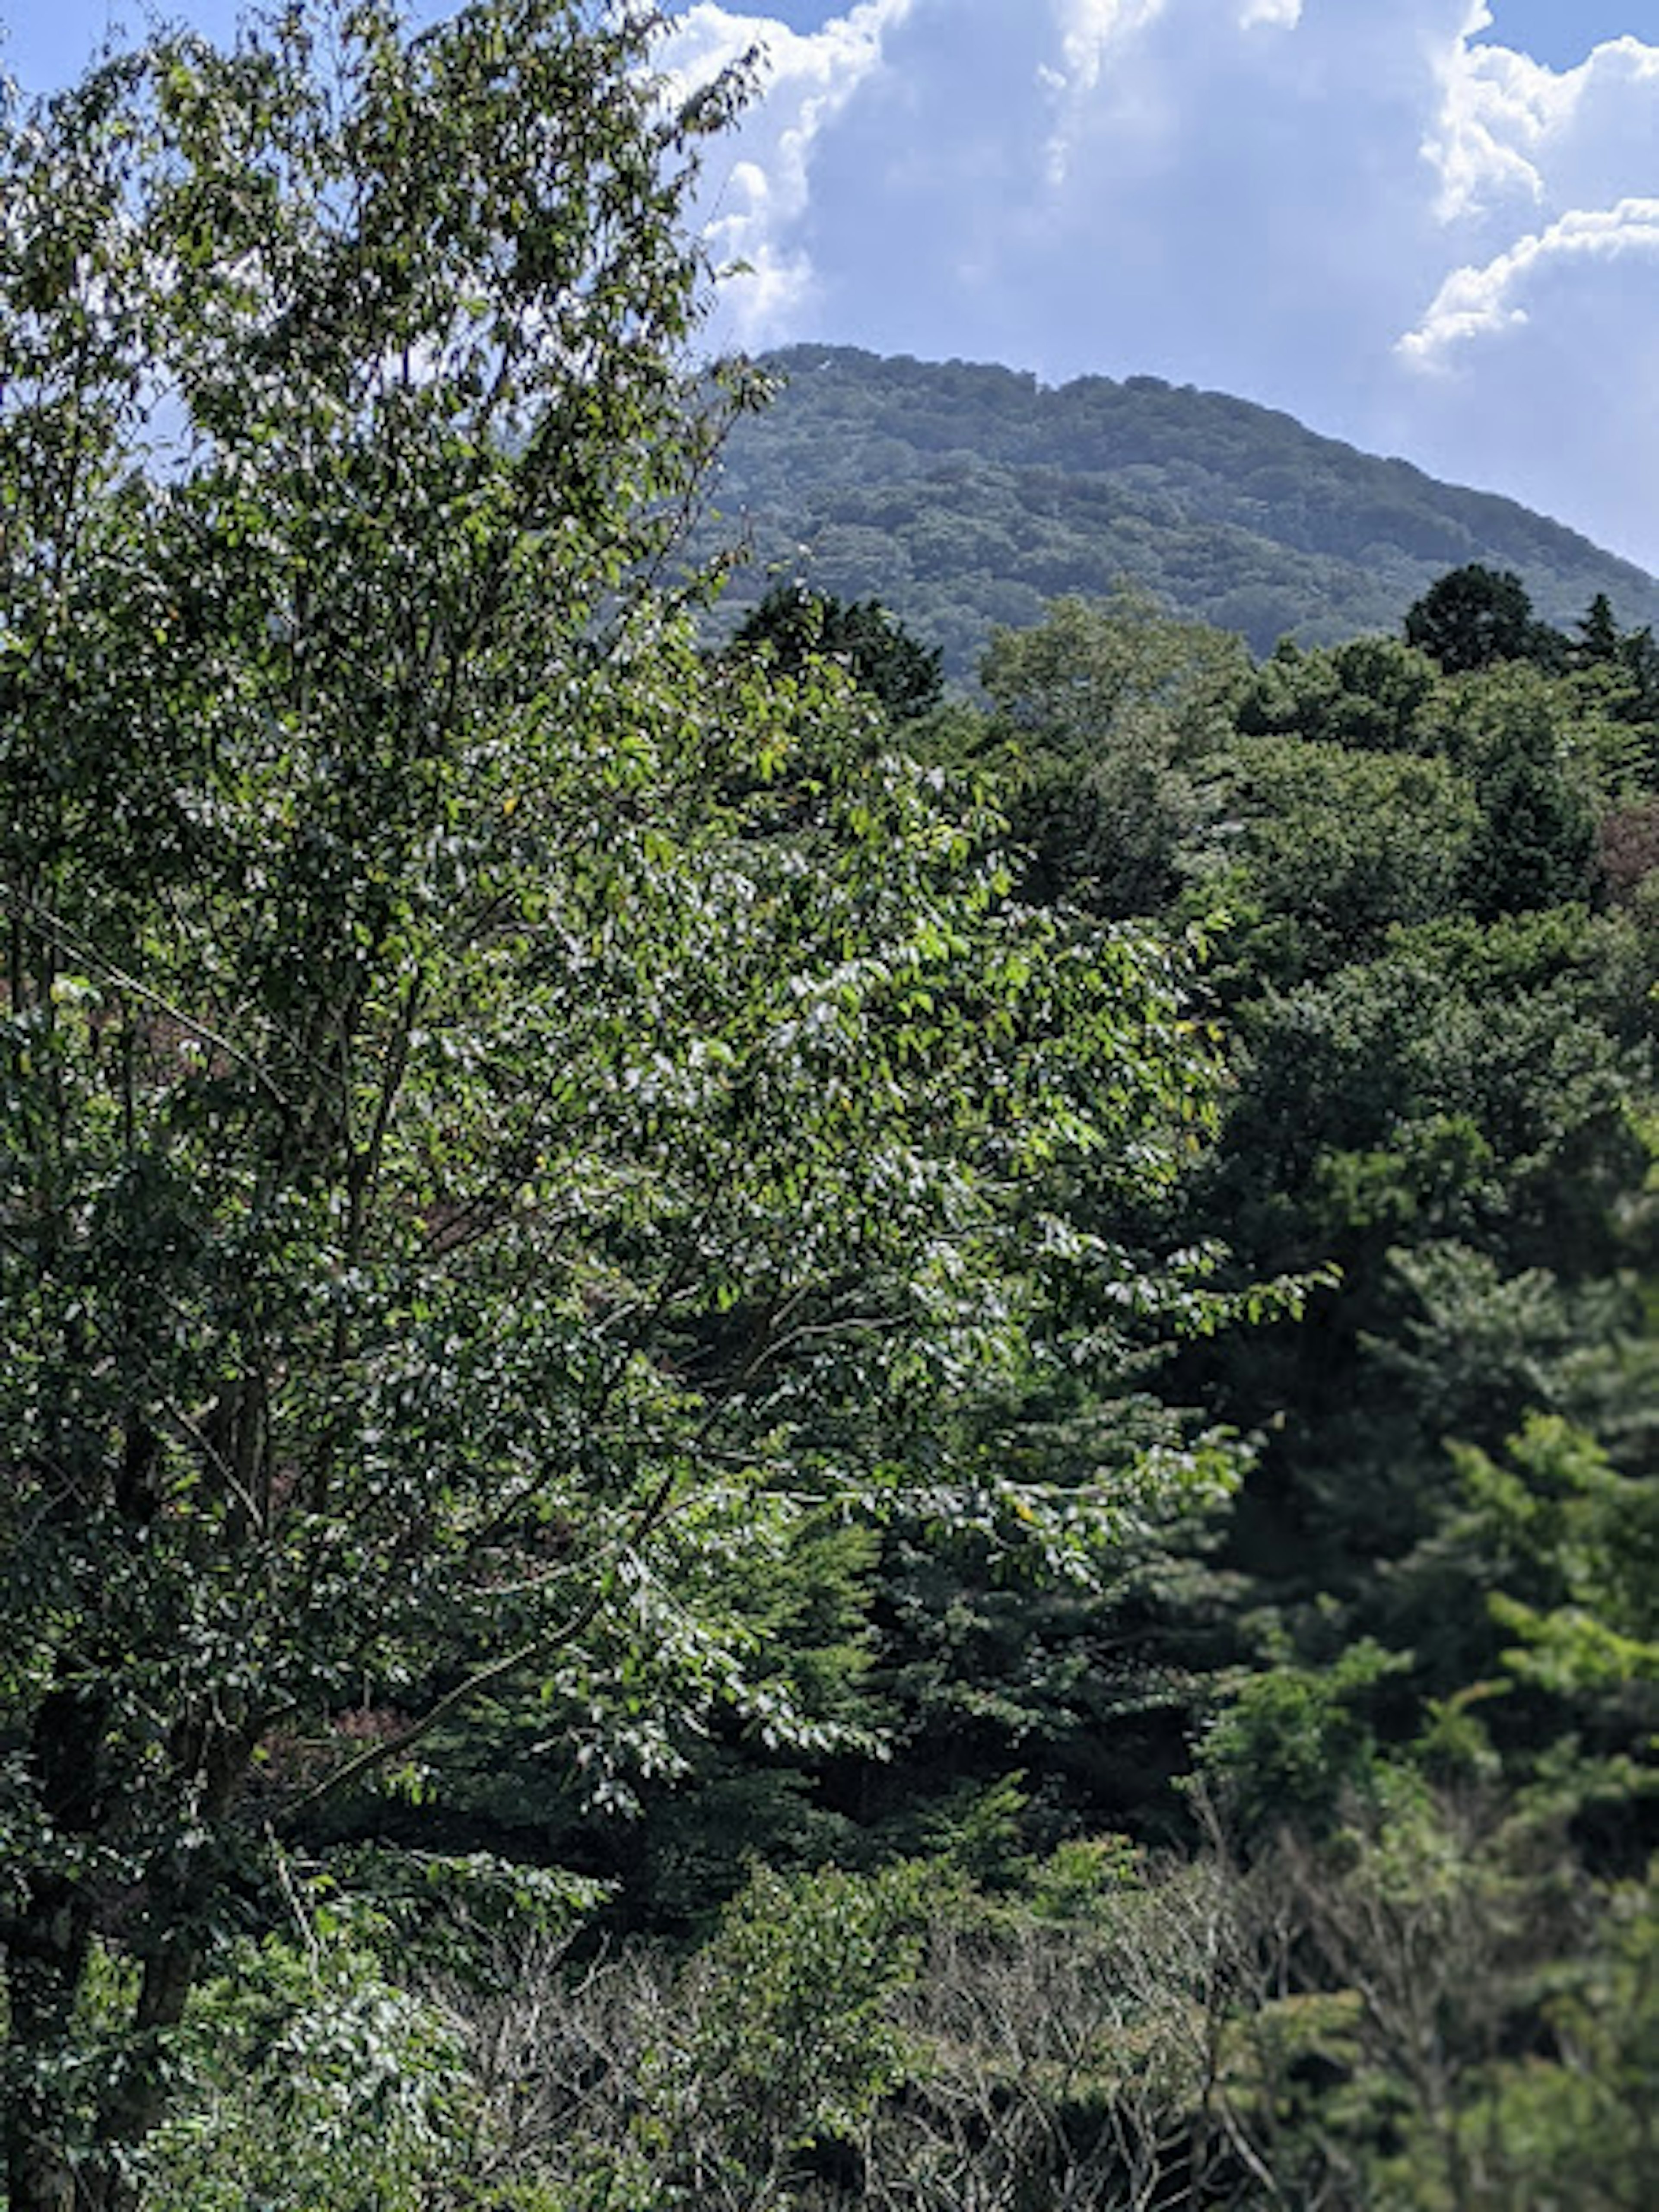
x=1429 y=227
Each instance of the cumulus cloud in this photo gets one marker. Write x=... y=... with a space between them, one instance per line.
x=1509 y=126
x=1475 y=302
x=1539 y=170
x=809 y=79
x=1088 y=31
x=1545 y=181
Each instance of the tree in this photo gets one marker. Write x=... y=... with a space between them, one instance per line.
x=1598 y=638
x=1619 y=672
x=1574 y=1538
x=1333 y=845
x=1104 y=709
x=1475 y=615
x=1533 y=763
x=1374 y=694
x=463 y=1177
x=797 y=625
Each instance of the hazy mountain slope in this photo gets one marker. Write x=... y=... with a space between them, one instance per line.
x=964 y=496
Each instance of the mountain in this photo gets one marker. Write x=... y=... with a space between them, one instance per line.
x=965 y=495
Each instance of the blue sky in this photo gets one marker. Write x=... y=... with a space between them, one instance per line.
x=1428 y=226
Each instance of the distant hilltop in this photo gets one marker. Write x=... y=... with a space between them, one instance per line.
x=965 y=496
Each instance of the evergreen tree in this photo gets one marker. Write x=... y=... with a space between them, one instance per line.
x=1475 y=615
x=794 y=624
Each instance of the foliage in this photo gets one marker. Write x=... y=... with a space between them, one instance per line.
x=1373 y=693
x=586 y=1232
x=1100 y=714
x=310 y=2079
x=791 y=2041
x=1576 y=1547
x=473 y=1184
x=1431 y=2008
x=1474 y=617
x=1296 y=1743
x=796 y=625
x=1331 y=847
x=1402 y=1957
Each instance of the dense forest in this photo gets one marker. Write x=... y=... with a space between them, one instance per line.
x=966 y=496
x=773 y=1437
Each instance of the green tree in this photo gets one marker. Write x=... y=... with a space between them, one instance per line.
x=1475 y=615
x=1101 y=714
x=1598 y=637
x=314 y=2081
x=1373 y=693
x=1534 y=761
x=464 y=1177
x=790 y=2042
x=796 y=625
x=1572 y=1546
x=1618 y=672
x=1330 y=845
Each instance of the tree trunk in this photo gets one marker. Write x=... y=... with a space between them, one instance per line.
x=59 y=2158
x=37 y=2177
x=47 y=1955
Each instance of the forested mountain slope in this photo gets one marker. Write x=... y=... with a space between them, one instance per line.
x=966 y=496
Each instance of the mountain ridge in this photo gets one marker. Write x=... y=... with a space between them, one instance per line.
x=966 y=494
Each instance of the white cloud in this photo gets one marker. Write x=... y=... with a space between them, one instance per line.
x=1474 y=302
x=1539 y=169
x=1506 y=123
x=809 y=79
x=1089 y=30
x=1547 y=182
x=1274 y=14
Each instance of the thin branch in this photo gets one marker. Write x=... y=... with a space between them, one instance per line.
x=58 y=930
x=650 y=1515
x=376 y=1754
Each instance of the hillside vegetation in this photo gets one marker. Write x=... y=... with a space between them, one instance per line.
x=964 y=496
